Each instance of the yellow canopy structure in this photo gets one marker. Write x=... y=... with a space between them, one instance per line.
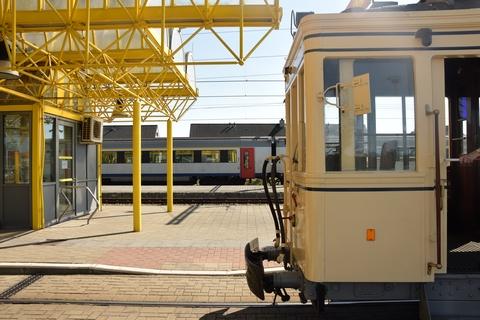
x=100 y=56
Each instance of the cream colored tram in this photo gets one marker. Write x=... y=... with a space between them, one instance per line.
x=380 y=104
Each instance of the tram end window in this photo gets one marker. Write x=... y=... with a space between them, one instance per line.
x=370 y=120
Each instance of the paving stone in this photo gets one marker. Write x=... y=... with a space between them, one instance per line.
x=212 y=237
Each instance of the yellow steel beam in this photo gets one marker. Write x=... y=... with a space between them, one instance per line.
x=175 y=17
x=169 y=166
x=38 y=143
x=99 y=176
x=67 y=114
x=137 y=168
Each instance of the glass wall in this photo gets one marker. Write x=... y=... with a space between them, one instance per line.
x=16 y=143
x=384 y=138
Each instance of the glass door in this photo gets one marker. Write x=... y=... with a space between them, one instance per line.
x=15 y=189
x=66 y=203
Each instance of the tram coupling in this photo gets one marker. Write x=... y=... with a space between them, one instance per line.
x=277 y=282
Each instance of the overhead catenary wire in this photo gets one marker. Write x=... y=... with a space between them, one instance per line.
x=234 y=119
x=245 y=96
x=235 y=81
x=243 y=76
x=254 y=57
x=237 y=107
x=232 y=31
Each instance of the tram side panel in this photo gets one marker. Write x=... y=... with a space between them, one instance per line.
x=330 y=239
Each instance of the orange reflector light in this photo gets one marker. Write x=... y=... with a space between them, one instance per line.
x=370 y=234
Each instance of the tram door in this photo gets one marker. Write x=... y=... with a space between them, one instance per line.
x=15 y=173
x=462 y=94
x=247 y=163
x=66 y=203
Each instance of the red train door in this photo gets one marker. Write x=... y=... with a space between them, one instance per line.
x=247 y=163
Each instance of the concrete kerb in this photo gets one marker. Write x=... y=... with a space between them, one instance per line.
x=85 y=268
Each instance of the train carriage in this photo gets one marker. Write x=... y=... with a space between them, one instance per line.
x=370 y=94
x=203 y=160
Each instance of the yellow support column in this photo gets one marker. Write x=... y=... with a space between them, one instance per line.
x=37 y=167
x=137 y=167
x=99 y=177
x=169 y=166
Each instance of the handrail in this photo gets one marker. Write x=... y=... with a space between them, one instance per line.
x=70 y=205
x=438 y=195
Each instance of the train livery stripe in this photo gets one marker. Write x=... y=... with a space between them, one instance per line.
x=389 y=34
x=368 y=189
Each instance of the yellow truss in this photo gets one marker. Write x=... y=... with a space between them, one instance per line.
x=100 y=56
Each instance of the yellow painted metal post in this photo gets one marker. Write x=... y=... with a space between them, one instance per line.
x=37 y=167
x=169 y=166
x=137 y=167
x=99 y=176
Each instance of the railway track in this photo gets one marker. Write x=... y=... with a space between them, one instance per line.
x=344 y=311
x=192 y=200
x=212 y=196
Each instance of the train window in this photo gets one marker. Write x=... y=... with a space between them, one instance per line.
x=211 y=156
x=232 y=156
x=146 y=157
x=183 y=156
x=128 y=157
x=109 y=157
x=158 y=157
x=383 y=139
x=246 y=160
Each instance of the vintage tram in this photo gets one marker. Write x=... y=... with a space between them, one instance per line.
x=380 y=104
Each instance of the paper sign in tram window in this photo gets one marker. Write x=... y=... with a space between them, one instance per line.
x=371 y=235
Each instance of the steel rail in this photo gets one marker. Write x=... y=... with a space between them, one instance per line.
x=260 y=305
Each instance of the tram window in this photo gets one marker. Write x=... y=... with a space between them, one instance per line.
x=109 y=157
x=183 y=156
x=16 y=148
x=49 y=167
x=383 y=139
x=211 y=156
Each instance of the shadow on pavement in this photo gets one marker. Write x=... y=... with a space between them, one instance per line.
x=7 y=235
x=396 y=311
x=184 y=215
x=50 y=241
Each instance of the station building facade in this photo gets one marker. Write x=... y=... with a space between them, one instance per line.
x=45 y=169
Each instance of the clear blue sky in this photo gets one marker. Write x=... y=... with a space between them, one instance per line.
x=265 y=64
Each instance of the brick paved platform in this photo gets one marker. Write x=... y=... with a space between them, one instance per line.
x=167 y=297
x=196 y=237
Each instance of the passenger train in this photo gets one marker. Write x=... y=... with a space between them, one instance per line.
x=377 y=204
x=197 y=160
